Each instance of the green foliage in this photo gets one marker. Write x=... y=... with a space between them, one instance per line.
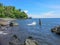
x=11 y=12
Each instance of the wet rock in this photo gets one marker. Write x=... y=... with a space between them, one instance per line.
x=30 y=41
x=14 y=41
x=56 y=29
x=10 y=43
x=13 y=24
x=15 y=36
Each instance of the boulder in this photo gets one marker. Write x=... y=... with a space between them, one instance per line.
x=56 y=29
x=13 y=24
x=31 y=41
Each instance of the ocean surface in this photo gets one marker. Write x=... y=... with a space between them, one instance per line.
x=41 y=33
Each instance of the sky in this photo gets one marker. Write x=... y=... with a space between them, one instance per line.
x=36 y=8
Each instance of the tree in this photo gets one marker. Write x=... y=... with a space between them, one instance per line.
x=1 y=4
x=11 y=12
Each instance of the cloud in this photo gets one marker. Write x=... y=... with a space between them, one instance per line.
x=50 y=14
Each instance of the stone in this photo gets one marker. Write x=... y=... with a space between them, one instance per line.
x=31 y=41
x=56 y=29
x=13 y=24
x=14 y=41
x=15 y=36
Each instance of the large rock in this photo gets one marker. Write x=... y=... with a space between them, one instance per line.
x=6 y=21
x=3 y=23
x=13 y=24
x=56 y=29
x=31 y=42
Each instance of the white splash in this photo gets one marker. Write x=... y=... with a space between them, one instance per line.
x=33 y=23
x=1 y=32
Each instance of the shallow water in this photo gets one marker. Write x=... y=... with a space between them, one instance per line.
x=41 y=33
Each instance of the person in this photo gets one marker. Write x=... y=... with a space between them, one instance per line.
x=30 y=41
x=40 y=23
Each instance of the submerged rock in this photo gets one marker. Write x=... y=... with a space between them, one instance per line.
x=56 y=29
x=14 y=41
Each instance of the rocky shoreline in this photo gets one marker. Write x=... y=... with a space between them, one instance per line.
x=10 y=37
x=9 y=34
x=7 y=21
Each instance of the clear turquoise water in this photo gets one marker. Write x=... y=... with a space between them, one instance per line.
x=42 y=33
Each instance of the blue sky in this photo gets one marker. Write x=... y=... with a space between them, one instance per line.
x=37 y=8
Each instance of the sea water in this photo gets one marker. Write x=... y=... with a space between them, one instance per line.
x=41 y=33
